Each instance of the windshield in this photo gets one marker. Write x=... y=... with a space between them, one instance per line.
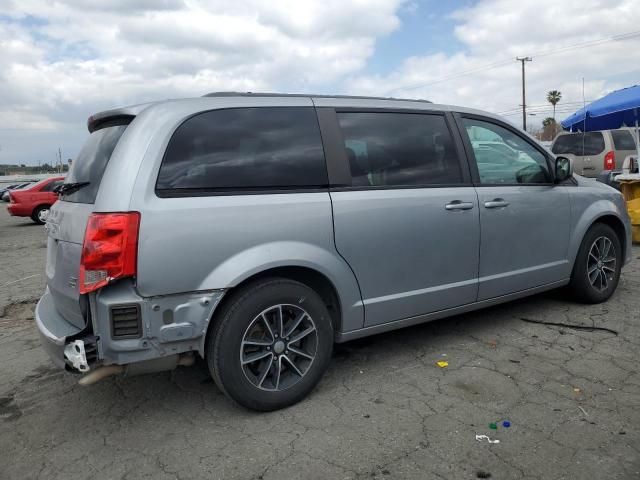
x=91 y=162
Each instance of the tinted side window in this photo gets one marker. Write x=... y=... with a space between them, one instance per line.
x=593 y=143
x=245 y=148
x=503 y=156
x=580 y=144
x=50 y=186
x=399 y=149
x=567 y=144
x=622 y=140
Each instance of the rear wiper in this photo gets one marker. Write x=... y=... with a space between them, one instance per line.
x=68 y=188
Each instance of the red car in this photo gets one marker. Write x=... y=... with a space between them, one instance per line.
x=35 y=200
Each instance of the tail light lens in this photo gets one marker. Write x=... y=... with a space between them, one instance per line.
x=109 y=250
x=610 y=160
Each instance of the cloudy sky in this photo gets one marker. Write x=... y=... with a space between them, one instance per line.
x=61 y=61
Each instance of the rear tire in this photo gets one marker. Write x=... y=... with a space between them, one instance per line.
x=40 y=214
x=270 y=344
x=596 y=271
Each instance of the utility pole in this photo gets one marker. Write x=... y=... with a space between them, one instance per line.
x=524 y=101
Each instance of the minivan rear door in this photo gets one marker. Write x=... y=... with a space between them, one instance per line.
x=67 y=220
x=406 y=215
x=587 y=151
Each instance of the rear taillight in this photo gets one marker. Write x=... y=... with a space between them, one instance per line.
x=109 y=250
x=610 y=160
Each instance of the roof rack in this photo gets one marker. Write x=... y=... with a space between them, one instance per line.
x=270 y=94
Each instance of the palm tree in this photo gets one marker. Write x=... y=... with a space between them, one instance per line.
x=548 y=128
x=553 y=97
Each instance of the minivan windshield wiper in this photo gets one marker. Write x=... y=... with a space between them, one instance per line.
x=68 y=188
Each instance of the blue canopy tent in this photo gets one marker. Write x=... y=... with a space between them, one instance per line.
x=618 y=109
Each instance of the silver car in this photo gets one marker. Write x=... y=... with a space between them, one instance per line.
x=595 y=152
x=256 y=230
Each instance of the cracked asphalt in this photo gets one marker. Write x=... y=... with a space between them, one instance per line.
x=384 y=410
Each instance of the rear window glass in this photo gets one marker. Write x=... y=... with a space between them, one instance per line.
x=622 y=140
x=37 y=184
x=244 y=149
x=580 y=144
x=91 y=162
x=50 y=187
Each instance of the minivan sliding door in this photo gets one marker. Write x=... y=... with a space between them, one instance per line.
x=405 y=213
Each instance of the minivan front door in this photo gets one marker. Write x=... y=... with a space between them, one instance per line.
x=524 y=217
x=407 y=222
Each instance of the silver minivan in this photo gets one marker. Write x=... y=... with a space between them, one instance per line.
x=595 y=152
x=255 y=230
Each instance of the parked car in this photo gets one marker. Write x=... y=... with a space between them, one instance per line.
x=594 y=152
x=257 y=230
x=4 y=188
x=35 y=200
x=4 y=194
x=608 y=177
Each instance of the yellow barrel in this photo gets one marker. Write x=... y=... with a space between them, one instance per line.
x=631 y=193
x=633 y=207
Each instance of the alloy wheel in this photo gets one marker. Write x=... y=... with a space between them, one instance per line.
x=278 y=347
x=43 y=215
x=601 y=263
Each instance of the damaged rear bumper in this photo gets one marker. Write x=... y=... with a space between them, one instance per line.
x=167 y=328
x=53 y=329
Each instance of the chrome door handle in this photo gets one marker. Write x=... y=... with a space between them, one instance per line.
x=496 y=203
x=459 y=205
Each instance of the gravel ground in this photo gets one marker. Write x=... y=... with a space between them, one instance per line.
x=384 y=409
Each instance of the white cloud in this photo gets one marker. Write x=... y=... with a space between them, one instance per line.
x=80 y=56
x=498 y=31
x=63 y=60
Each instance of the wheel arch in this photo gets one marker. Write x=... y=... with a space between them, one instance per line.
x=308 y=276
x=601 y=211
x=617 y=226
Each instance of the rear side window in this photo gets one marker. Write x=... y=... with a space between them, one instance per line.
x=580 y=144
x=399 y=149
x=622 y=140
x=91 y=162
x=52 y=185
x=244 y=149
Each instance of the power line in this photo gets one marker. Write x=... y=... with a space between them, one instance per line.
x=537 y=113
x=613 y=38
x=540 y=109
x=544 y=107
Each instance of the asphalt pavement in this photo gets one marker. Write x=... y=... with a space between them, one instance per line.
x=384 y=410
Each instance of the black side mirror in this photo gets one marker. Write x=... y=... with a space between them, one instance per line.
x=564 y=169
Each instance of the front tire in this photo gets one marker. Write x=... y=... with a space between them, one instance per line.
x=270 y=344
x=596 y=271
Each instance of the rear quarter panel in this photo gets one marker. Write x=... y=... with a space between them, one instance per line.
x=215 y=242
